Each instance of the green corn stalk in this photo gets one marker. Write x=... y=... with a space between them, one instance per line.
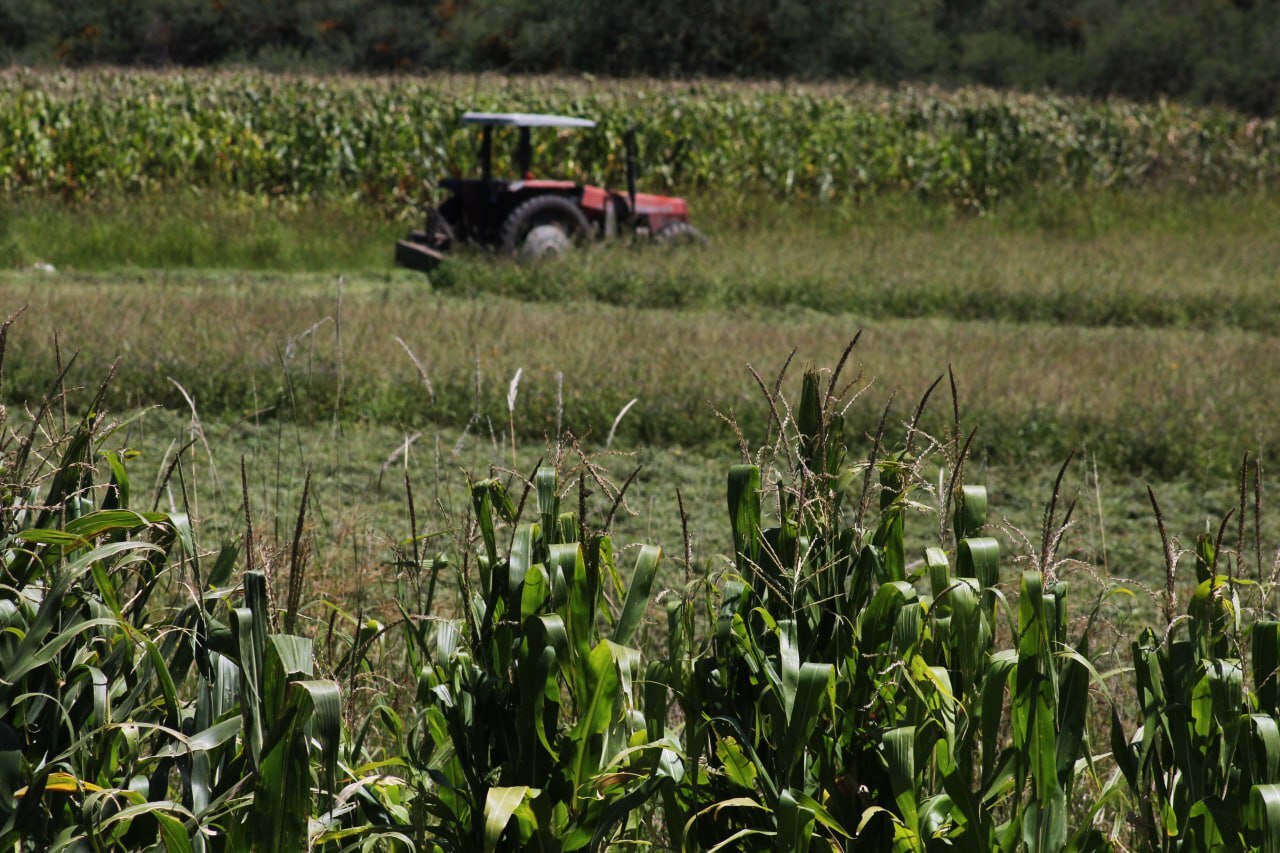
x=85 y=134
x=829 y=671
x=121 y=732
x=1204 y=763
x=532 y=729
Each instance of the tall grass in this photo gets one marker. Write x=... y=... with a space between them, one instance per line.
x=1145 y=258
x=193 y=229
x=243 y=345
x=1166 y=259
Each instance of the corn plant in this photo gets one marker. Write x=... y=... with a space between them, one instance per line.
x=849 y=698
x=529 y=728
x=126 y=722
x=84 y=134
x=1204 y=765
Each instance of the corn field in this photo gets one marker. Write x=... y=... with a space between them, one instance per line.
x=108 y=132
x=819 y=688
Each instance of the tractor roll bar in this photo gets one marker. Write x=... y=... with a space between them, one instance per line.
x=524 y=120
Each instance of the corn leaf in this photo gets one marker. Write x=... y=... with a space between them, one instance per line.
x=970 y=511
x=499 y=805
x=1264 y=815
x=744 y=517
x=637 y=594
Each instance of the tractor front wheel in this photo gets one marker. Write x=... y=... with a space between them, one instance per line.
x=542 y=226
x=678 y=234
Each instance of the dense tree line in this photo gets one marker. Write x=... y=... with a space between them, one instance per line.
x=1217 y=51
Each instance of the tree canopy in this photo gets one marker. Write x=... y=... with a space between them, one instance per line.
x=1211 y=51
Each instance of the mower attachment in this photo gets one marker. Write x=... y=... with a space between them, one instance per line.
x=416 y=256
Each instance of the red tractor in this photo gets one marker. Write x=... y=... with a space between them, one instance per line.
x=531 y=218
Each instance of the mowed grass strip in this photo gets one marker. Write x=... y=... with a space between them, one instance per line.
x=1134 y=258
x=1168 y=401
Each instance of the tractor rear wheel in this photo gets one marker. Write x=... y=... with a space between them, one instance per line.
x=542 y=226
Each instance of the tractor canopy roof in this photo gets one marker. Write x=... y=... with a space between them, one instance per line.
x=524 y=120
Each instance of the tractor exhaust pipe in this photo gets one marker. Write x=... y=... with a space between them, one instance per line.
x=630 y=139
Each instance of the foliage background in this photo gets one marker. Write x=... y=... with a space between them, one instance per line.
x=1211 y=51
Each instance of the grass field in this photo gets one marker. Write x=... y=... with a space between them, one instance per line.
x=1136 y=329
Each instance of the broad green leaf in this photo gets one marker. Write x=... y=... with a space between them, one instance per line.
x=534 y=592
x=548 y=503
x=970 y=635
x=1262 y=754
x=993 y=687
x=596 y=713
x=788 y=665
x=719 y=806
x=103 y=521
x=795 y=823
x=656 y=692
x=875 y=628
x=637 y=594
x=167 y=688
x=970 y=511
x=1205 y=558
x=287 y=658
x=172 y=833
x=1072 y=713
x=939 y=570
x=744 y=517
x=215 y=735
x=737 y=767
x=936 y=818
x=580 y=621
x=815 y=679
x=499 y=805
x=908 y=627
x=223 y=566
x=889 y=540
x=618 y=809
x=809 y=422
x=482 y=499
x=250 y=681
x=282 y=791
x=979 y=558
x=40 y=536
x=118 y=496
x=1203 y=829
x=898 y=749
x=519 y=561
x=27 y=657
x=1264 y=815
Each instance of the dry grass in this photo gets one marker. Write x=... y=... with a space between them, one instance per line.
x=1166 y=400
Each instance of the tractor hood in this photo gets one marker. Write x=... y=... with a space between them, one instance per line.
x=655 y=210
x=669 y=206
x=594 y=198
x=663 y=207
